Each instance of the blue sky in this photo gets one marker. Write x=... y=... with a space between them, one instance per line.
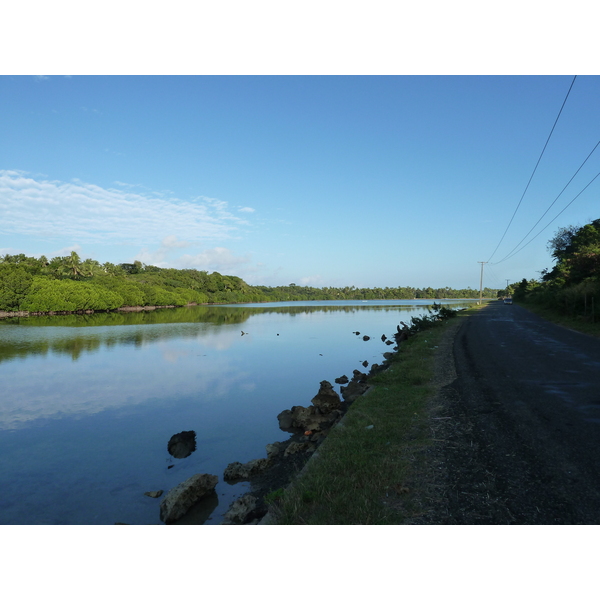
x=317 y=180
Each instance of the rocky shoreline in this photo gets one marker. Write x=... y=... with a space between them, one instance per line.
x=268 y=476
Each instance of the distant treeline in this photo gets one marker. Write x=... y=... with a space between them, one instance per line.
x=68 y=284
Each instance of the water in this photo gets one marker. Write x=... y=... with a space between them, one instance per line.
x=89 y=402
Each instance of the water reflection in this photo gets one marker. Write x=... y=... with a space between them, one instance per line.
x=89 y=402
x=55 y=334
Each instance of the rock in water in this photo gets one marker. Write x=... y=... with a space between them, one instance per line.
x=181 y=445
x=182 y=497
x=156 y=494
x=327 y=399
x=237 y=470
x=285 y=419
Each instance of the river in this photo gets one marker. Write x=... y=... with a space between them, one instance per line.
x=89 y=402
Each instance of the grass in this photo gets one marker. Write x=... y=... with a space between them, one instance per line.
x=362 y=472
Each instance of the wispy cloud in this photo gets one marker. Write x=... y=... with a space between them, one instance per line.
x=216 y=259
x=212 y=259
x=84 y=212
x=246 y=209
x=65 y=251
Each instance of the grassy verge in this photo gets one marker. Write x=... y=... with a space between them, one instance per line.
x=578 y=323
x=363 y=471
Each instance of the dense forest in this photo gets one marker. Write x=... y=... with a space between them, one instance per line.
x=572 y=286
x=68 y=284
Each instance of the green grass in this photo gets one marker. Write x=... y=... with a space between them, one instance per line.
x=361 y=473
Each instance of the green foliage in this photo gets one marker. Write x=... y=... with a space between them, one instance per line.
x=437 y=314
x=136 y=284
x=14 y=285
x=572 y=287
x=47 y=295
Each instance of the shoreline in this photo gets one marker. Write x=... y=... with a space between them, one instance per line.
x=24 y=313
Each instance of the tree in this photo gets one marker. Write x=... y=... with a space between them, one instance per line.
x=15 y=283
x=73 y=264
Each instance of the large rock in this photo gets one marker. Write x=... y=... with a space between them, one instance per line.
x=181 y=445
x=182 y=497
x=237 y=470
x=327 y=399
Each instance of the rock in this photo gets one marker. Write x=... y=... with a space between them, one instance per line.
x=237 y=470
x=375 y=368
x=389 y=342
x=181 y=445
x=296 y=447
x=157 y=494
x=273 y=449
x=343 y=379
x=327 y=399
x=383 y=338
x=388 y=355
x=366 y=338
x=285 y=419
x=353 y=390
x=239 y=510
x=358 y=376
x=182 y=497
x=365 y=363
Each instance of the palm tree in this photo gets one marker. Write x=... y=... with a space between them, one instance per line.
x=73 y=264
x=90 y=267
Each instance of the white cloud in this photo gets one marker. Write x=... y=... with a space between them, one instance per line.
x=66 y=251
x=246 y=209
x=214 y=259
x=312 y=281
x=85 y=212
x=159 y=257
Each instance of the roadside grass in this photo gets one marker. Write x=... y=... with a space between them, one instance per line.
x=362 y=472
x=578 y=323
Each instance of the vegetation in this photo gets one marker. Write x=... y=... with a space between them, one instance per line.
x=364 y=470
x=68 y=284
x=570 y=291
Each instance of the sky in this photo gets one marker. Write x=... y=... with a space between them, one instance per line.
x=317 y=180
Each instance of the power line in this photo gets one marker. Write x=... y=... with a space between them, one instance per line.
x=556 y=217
x=514 y=250
x=534 y=170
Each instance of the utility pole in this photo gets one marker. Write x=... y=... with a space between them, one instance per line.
x=481 y=280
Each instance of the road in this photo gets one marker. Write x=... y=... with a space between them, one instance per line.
x=518 y=428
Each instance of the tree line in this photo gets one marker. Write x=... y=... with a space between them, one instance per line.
x=69 y=284
x=572 y=286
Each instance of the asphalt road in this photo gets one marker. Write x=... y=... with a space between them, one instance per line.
x=520 y=428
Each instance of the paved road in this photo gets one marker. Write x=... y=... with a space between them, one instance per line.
x=523 y=437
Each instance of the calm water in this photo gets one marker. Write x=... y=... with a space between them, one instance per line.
x=88 y=403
